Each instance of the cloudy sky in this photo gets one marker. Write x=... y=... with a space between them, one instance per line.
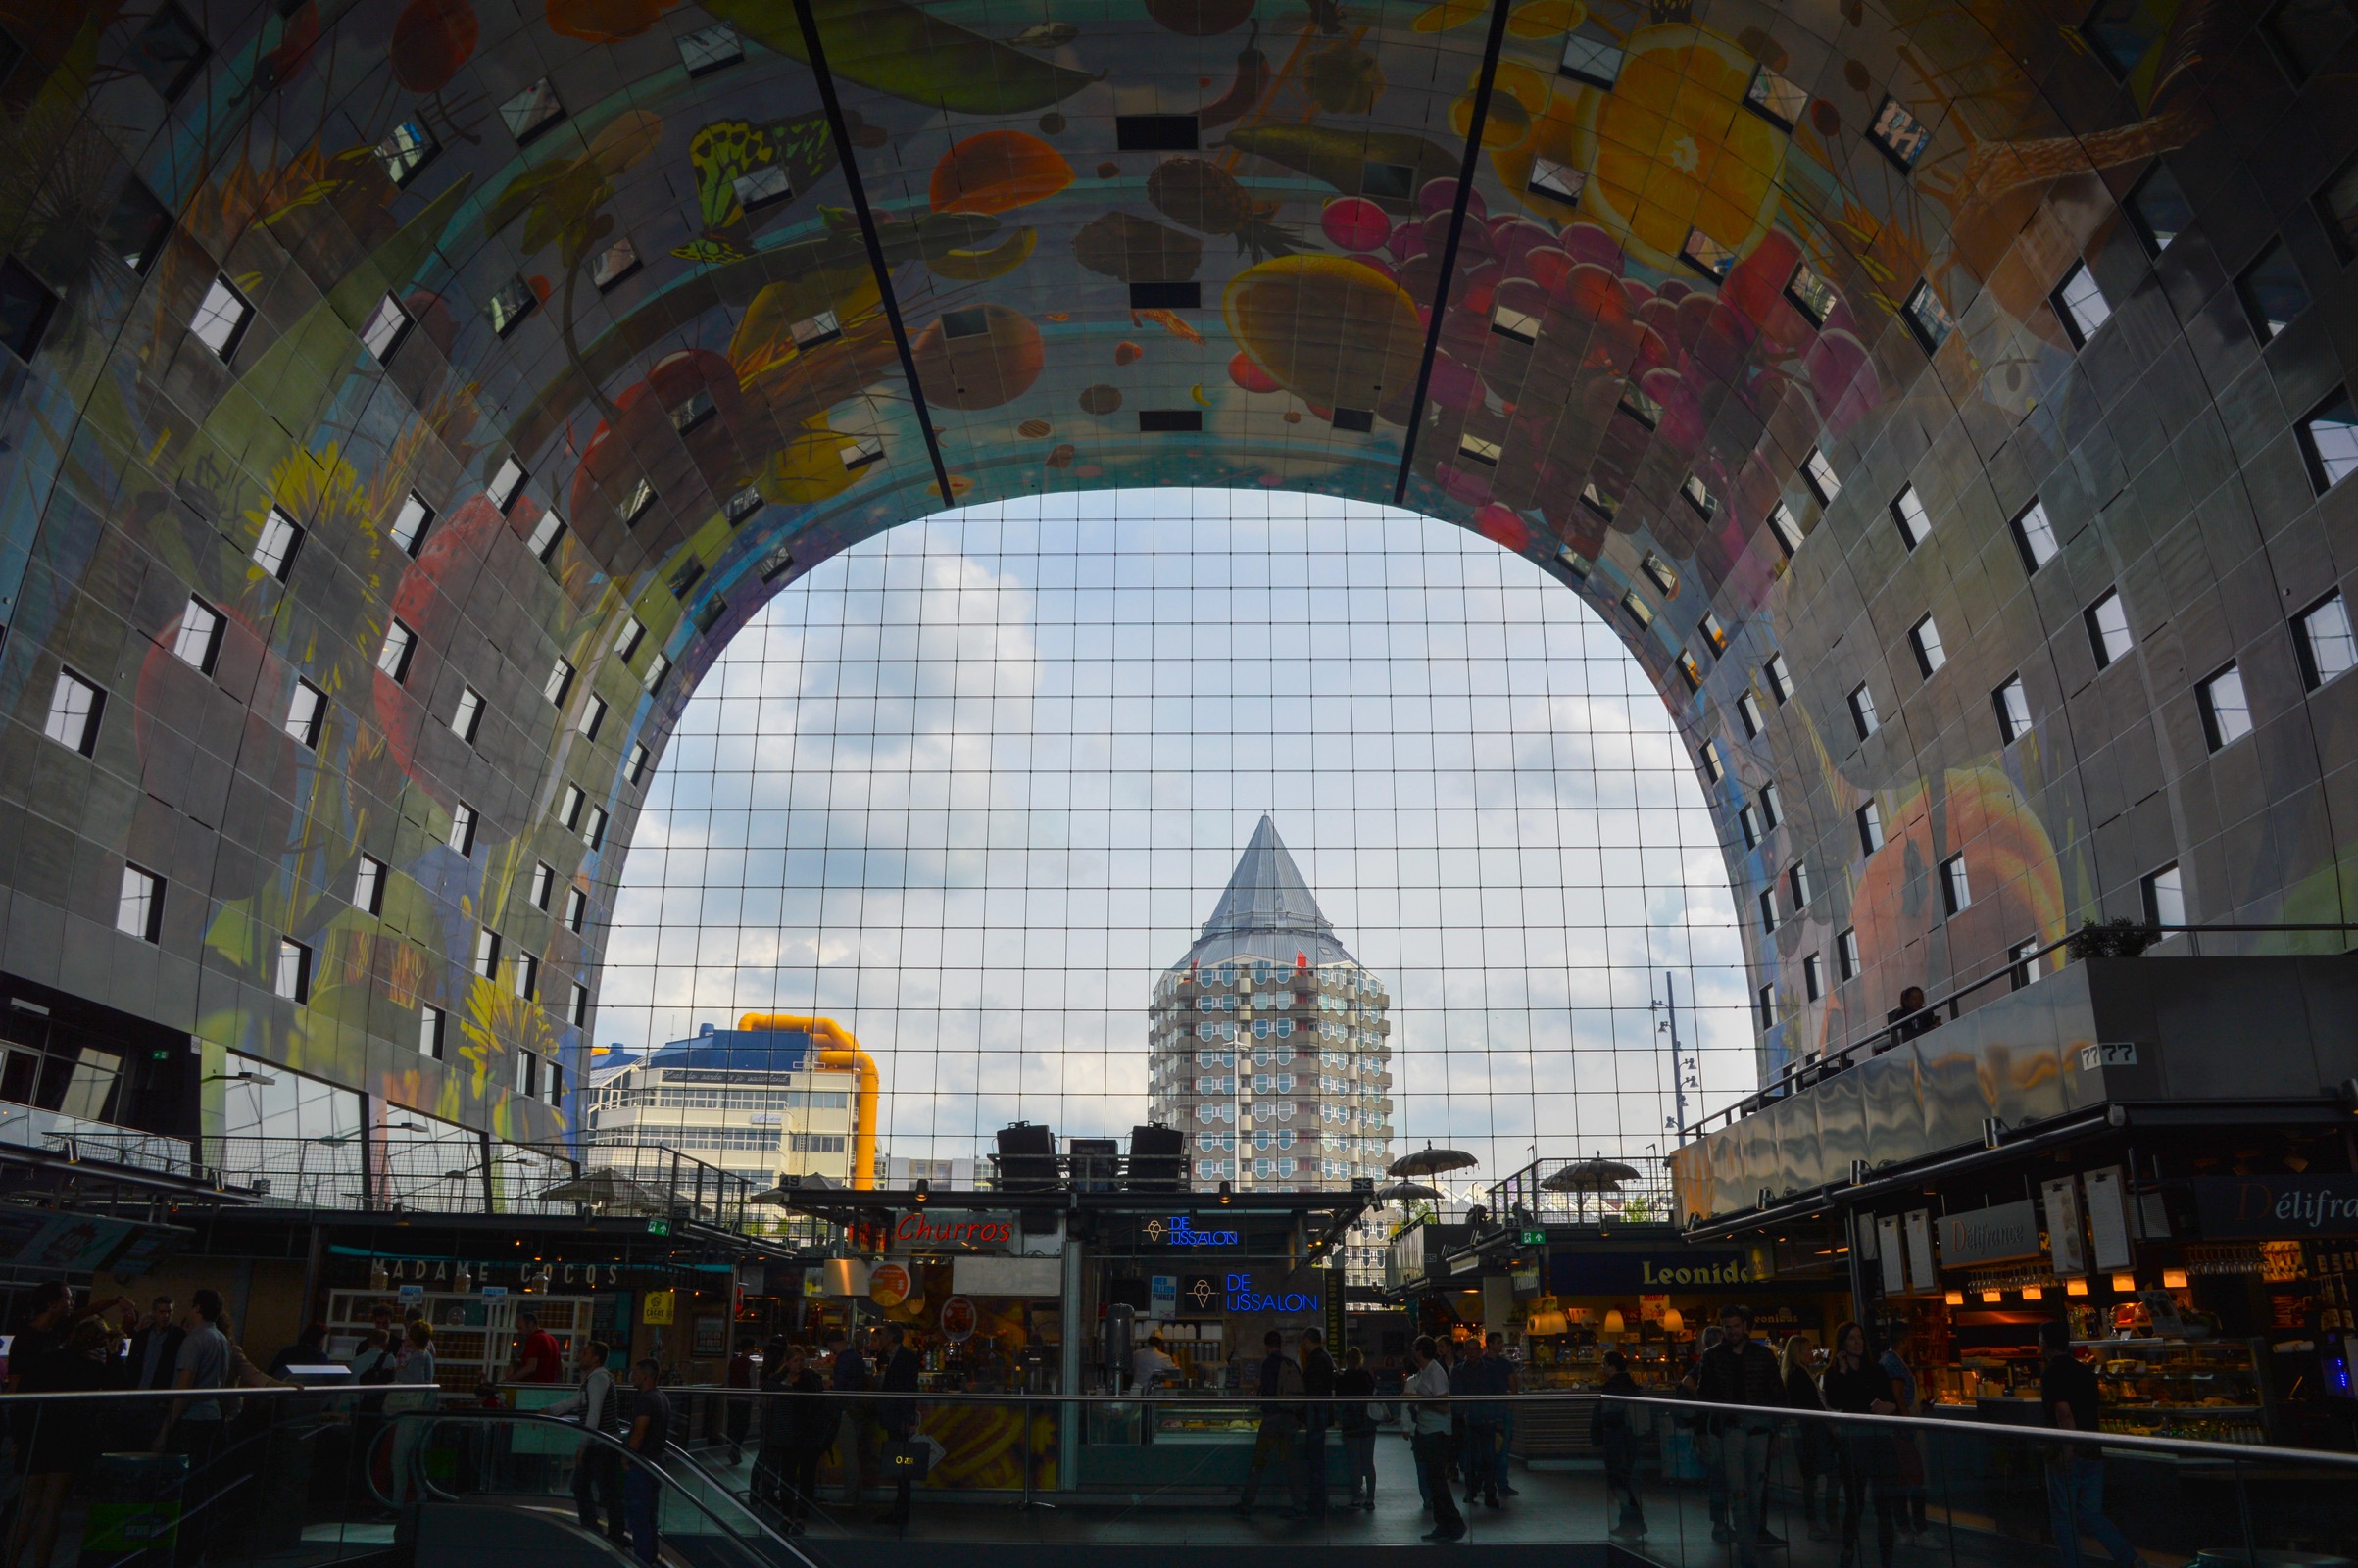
x=969 y=788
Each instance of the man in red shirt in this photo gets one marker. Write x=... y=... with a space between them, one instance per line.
x=537 y=1359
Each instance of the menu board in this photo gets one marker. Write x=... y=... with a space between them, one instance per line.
x=2067 y=1240
x=1887 y=1250
x=2107 y=1217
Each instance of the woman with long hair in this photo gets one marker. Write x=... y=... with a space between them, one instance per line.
x=1813 y=1443
x=1856 y=1386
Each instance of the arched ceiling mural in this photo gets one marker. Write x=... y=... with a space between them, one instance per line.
x=406 y=400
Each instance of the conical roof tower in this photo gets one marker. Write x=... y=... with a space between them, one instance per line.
x=1266 y=907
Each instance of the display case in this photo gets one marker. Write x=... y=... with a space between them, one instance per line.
x=2204 y=1389
x=1561 y=1365
x=1187 y=1418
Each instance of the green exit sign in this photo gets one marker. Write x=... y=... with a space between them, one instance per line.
x=658 y=1227
x=1534 y=1238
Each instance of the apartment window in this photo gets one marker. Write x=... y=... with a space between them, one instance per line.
x=1597 y=501
x=1665 y=576
x=1956 y=891
x=2306 y=35
x=1698 y=496
x=1639 y=406
x=1561 y=181
x=560 y=682
x=661 y=665
x=509 y=304
x=2035 y=536
x=711 y=48
x=1799 y=880
x=2022 y=963
x=369 y=886
x=1768 y=1007
x=627 y=641
x=1520 y=326
x=1707 y=256
x=1787 y=531
x=1846 y=954
x=74 y=707
x=1870 y=827
x=2159 y=209
x=385 y=327
x=197 y=642
x=408 y=148
x=306 y=711
x=546 y=533
x=2079 y=302
x=1907 y=511
x=1712 y=766
x=1748 y=707
x=1813 y=977
x=635 y=505
x=1925 y=638
x=1772 y=807
x=596 y=835
x=275 y=546
x=568 y=807
x=532 y=111
x=139 y=909
x=544 y=883
x=1780 y=678
x=614 y=264
x=293 y=979
x=1862 y=711
x=2226 y=712
x=2108 y=628
x=1590 y=59
x=488 y=953
x=523 y=973
x=1928 y=317
x=1638 y=609
x=1748 y=822
x=553 y=1078
x=221 y=317
x=593 y=717
x=1824 y=483
x=577 y=909
x=527 y=1074
x=742 y=505
x=2013 y=707
x=462 y=828
x=393 y=658
x=1900 y=136
x=410 y=522
x=2271 y=291
x=1691 y=671
x=429 y=1032
x=467 y=717
x=693 y=413
x=1776 y=100
x=635 y=770
x=2330 y=441
x=506 y=482
x=576 y=1010
x=2325 y=644
x=2165 y=896
x=1768 y=910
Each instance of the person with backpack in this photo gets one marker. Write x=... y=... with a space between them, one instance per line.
x=597 y=1468
x=1356 y=1385
x=1278 y=1382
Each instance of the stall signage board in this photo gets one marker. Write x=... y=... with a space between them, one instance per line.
x=1990 y=1235
x=928 y=1230
x=1181 y=1230
x=2107 y=1217
x=1921 y=1276
x=2277 y=1206
x=1163 y=1297
x=1577 y=1273
x=2064 y=1231
x=1893 y=1261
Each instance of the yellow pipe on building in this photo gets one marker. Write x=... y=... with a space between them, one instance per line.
x=844 y=1052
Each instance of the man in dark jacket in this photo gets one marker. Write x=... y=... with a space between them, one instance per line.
x=1611 y=1429
x=1318 y=1379
x=1279 y=1384
x=899 y=1416
x=156 y=1348
x=1741 y=1371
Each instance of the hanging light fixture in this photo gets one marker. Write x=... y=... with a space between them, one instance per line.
x=2075 y=1287
x=2126 y=1284
x=1613 y=1321
x=1674 y=1322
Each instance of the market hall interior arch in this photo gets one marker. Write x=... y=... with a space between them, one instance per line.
x=404 y=402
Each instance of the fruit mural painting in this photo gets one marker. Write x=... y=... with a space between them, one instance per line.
x=1333 y=331
x=2010 y=864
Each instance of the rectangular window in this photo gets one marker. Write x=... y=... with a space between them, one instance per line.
x=429 y=1032
x=743 y=504
x=1597 y=501
x=139 y=908
x=577 y=909
x=711 y=48
x=544 y=883
x=75 y=705
x=559 y=683
x=509 y=304
x=1811 y=294
x=1640 y=407
x=857 y=455
x=627 y=640
x=1813 y=977
x=527 y=1074
x=462 y=828
x=393 y=657
x=532 y=111
x=1870 y=827
x=369 y=886
x=635 y=771
x=2013 y=705
x=1592 y=59
x=1637 y=608
x=1768 y=910
x=1558 y=181
x=596 y=834
x=408 y=148
x=1715 y=635
x=553 y=1078
x=1900 y=136
x=657 y=668
x=220 y=319
x=170 y=51
x=2165 y=896
x=1787 y=532
x=2225 y=712
x=1707 y=256
x=467 y=717
x=2325 y=643
x=1748 y=822
x=1772 y=807
x=1818 y=470
x=293 y=979
x=1187 y=296
x=410 y=522
x=1479 y=448
x=1698 y=496
x=761 y=187
x=1907 y=511
x=547 y=534
x=385 y=327
x=1928 y=317
x=1846 y=954
x=1956 y=893
x=197 y=643
x=1713 y=767
x=1780 y=678
x=577 y=1010
x=1666 y=575
x=506 y=482
x=306 y=711
x=2080 y=304
x=635 y=505
x=1748 y=707
x=2035 y=536
x=488 y=953
x=1862 y=711
x=523 y=973
x=2159 y=209
x=2108 y=628
x=615 y=262
x=1691 y=671
x=2271 y=291
x=1768 y=1007
x=568 y=807
x=593 y=717
x=1520 y=326
x=1925 y=638
x=2330 y=441
x=1798 y=879
x=275 y=546
x=2022 y=967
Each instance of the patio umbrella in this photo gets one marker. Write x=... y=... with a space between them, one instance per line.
x=1431 y=1161
x=1408 y=1193
x=605 y=1189
x=1598 y=1175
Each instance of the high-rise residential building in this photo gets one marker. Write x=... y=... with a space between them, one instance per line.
x=1269 y=1044
x=755 y=1103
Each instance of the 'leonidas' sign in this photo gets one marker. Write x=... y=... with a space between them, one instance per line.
x=929 y=1230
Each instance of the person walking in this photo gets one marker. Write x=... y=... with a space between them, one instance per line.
x=1507 y=1378
x=1705 y=1432
x=1427 y=1396
x=1469 y=1379
x=1856 y=1384
x=1356 y=1385
x=2068 y=1398
x=1278 y=1381
x=650 y=1432
x=1612 y=1429
x=848 y=1376
x=64 y=1435
x=1811 y=1450
x=597 y=1472
x=1741 y=1371
x=810 y=1425
x=1317 y=1414
x=900 y=1415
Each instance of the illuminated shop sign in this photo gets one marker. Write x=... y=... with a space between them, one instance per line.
x=1572 y=1273
x=948 y=1231
x=1245 y=1296
x=1179 y=1231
